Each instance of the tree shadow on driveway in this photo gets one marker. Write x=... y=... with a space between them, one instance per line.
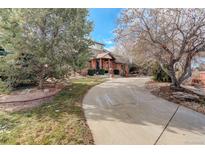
x=127 y=102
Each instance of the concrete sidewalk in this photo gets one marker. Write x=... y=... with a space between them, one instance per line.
x=122 y=111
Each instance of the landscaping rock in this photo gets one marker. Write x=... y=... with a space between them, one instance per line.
x=191 y=97
x=185 y=96
x=199 y=91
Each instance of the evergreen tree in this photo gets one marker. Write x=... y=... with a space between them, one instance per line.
x=52 y=36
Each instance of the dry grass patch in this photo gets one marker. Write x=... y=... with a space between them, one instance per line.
x=60 y=121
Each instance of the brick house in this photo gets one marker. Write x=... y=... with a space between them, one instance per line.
x=198 y=78
x=103 y=59
x=198 y=74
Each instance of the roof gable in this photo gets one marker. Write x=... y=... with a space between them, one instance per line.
x=104 y=55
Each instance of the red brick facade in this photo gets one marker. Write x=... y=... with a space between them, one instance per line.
x=109 y=65
x=103 y=59
x=200 y=80
x=202 y=77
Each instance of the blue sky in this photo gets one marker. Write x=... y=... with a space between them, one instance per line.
x=105 y=21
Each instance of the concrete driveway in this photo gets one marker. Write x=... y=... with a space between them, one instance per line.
x=122 y=111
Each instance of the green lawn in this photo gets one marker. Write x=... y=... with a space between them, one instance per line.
x=61 y=121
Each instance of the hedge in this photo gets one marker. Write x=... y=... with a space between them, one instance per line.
x=91 y=72
x=101 y=72
x=116 y=72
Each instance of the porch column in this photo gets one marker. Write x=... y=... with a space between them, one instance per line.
x=91 y=64
x=108 y=64
x=100 y=63
x=126 y=70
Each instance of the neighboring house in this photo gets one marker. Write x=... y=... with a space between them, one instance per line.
x=110 y=62
x=198 y=74
x=198 y=78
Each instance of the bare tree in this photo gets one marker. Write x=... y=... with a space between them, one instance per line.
x=171 y=36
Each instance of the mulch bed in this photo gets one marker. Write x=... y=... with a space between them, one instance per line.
x=28 y=98
x=164 y=91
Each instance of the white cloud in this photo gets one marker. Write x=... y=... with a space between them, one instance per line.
x=108 y=42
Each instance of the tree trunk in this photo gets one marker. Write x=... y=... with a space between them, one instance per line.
x=75 y=73
x=176 y=84
x=41 y=77
x=41 y=84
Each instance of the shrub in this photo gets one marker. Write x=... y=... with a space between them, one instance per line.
x=116 y=72
x=19 y=77
x=19 y=72
x=159 y=74
x=101 y=72
x=3 y=68
x=145 y=68
x=91 y=72
x=4 y=88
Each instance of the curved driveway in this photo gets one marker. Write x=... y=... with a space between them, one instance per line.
x=122 y=111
